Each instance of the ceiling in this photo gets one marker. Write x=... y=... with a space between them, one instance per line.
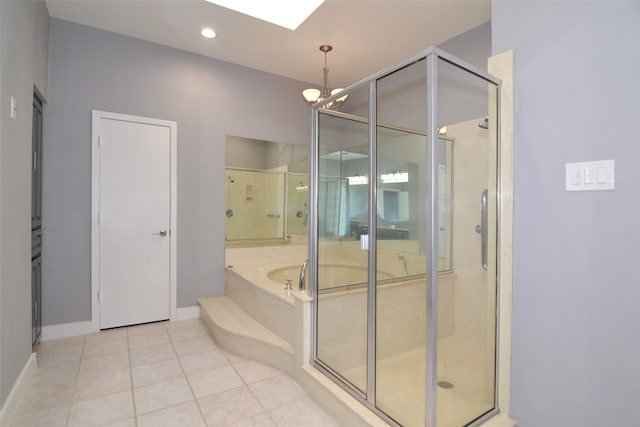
x=367 y=36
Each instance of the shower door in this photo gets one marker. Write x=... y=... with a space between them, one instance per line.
x=403 y=242
x=341 y=271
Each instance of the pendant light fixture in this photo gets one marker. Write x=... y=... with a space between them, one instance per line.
x=315 y=95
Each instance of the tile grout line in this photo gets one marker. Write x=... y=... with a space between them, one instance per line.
x=133 y=396
x=255 y=397
x=186 y=378
x=246 y=384
x=75 y=384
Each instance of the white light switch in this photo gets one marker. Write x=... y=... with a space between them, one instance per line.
x=14 y=108
x=576 y=177
x=602 y=175
x=590 y=176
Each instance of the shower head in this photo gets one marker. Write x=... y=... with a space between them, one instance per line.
x=484 y=123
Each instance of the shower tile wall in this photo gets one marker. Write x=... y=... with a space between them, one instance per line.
x=469 y=182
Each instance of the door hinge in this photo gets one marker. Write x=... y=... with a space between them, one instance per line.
x=100 y=295
x=99 y=141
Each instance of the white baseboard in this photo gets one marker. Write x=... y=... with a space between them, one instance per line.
x=13 y=399
x=183 y=313
x=52 y=332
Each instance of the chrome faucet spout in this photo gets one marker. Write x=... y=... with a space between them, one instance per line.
x=405 y=272
x=303 y=272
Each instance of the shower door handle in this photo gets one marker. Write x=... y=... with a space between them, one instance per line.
x=482 y=228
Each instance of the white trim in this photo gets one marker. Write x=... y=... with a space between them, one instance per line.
x=63 y=330
x=95 y=208
x=13 y=399
x=184 y=313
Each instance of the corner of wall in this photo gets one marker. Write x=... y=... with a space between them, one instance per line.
x=501 y=66
x=23 y=63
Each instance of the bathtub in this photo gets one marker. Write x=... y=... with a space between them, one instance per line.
x=329 y=276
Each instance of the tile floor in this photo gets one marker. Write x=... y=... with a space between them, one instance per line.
x=161 y=374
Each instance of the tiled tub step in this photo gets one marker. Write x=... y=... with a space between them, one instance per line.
x=237 y=331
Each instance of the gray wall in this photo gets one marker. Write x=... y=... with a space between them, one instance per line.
x=576 y=316
x=23 y=63
x=473 y=46
x=209 y=99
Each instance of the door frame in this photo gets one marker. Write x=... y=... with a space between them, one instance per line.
x=96 y=117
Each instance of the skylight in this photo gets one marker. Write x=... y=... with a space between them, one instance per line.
x=285 y=13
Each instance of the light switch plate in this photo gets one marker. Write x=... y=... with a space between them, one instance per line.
x=590 y=176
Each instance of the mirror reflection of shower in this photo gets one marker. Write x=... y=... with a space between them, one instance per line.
x=266 y=192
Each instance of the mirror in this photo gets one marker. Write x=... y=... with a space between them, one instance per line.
x=400 y=185
x=266 y=192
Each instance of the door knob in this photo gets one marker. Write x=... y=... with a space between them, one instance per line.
x=161 y=233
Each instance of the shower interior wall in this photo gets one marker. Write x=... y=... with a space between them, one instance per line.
x=268 y=201
x=458 y=291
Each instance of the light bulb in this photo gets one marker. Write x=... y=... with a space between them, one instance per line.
x=208 y=33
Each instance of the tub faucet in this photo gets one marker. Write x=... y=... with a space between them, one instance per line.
x=303 y=272
x=404 y=263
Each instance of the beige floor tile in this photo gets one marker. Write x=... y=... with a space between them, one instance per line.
x=162 y=395
x=252 y=371
x=304 y=412
x=262 y=420
x=214 y=381
x=60 y=343
x=183 y=415
x=277 y=391
x=187 y=329
x=108 y=362
x=59 y=356
x=155 y=337
x=194 y=345
x=234 y=358
x=104 y=347
x=146 y=328
x=43 y=400
x=101 y=383
x=54 y=417
x=59 y=381
x=106 y=334
x=229 y=407
x=102 y=411
x=155 y=353
x=154 y=373
x=131 y=422
x=201 y=362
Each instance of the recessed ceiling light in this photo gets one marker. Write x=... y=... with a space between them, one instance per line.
x=208 y=33
x=286 y=13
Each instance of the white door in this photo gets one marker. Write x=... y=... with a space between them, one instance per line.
x=134 y=220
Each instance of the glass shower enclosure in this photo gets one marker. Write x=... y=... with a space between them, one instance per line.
x=403 y=231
